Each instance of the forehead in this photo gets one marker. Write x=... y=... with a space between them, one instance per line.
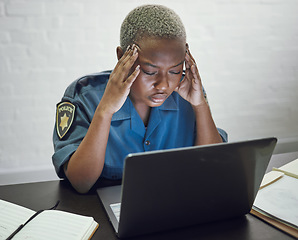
x=160 y=51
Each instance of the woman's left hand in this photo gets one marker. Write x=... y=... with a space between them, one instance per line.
x=190 y=88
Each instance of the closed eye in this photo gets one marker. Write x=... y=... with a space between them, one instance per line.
x=148 y=73
x=175 y=72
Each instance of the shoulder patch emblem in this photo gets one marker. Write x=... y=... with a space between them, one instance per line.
x=64 y=118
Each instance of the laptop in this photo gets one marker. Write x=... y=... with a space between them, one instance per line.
x=176 y=188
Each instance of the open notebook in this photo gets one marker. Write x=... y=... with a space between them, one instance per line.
x=49 y=224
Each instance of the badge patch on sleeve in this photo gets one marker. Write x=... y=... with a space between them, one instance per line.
x=64 y=118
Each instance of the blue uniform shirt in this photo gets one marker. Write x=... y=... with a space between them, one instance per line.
x=170 y=125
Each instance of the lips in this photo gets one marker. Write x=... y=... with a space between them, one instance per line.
x=159 y=97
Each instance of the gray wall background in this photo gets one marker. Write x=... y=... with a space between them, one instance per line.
x=246 y=50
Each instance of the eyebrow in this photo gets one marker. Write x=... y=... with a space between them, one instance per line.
x=152 y=65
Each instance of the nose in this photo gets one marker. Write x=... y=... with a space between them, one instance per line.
x=162 y=82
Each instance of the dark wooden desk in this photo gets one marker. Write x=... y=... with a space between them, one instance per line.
x=43 y=195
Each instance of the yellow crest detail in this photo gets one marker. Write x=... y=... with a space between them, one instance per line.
x=64 y=118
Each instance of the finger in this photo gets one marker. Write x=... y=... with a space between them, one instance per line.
x=188 y=73
x=193 y=71
x=121 y=60
x=129 y=81
x=133 y=55
x=189 y=53
x=189 y=60
x=188 y=64
x=192 y=58
x=127 y=66
x=192 y=65
x=124 y=57
x=191 y=74
x=124 y=66
x=196 y=75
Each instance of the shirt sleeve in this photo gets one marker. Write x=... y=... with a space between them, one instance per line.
x=85 y=94
x=223 y=134
x=66 y=146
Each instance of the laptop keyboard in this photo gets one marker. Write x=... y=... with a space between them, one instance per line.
x=116 y=210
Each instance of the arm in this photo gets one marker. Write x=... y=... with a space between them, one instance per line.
x=191 y=90
x=207 y=132
x=86 y=164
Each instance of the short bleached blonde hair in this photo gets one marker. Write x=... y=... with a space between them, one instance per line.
x=151 y=21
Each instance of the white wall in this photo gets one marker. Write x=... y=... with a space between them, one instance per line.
x=247 y=52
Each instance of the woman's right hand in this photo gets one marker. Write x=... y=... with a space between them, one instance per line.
x=120 y=81
x=86 y=164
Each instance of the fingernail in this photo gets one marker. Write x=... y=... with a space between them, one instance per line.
x=135 y=50
x=128 y=47
x=138 y=67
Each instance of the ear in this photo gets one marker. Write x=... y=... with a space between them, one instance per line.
x=119 y=52
x=187 y=46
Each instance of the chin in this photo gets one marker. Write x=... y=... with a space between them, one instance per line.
x=155 y=104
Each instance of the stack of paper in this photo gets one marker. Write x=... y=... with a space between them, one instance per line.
x=277 y=199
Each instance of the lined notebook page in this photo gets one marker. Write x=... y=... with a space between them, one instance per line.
x=55 y=224
x=11 y=217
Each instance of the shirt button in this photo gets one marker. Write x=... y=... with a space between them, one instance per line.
x=147 y=142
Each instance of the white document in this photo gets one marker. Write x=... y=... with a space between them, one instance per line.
x=280 y=199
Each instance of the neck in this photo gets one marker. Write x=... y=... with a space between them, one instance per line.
x=144 y=112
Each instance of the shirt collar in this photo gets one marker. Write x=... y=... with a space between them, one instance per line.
x=170 y=103
x=124 y=112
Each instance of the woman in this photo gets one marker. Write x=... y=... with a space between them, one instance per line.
x=146 y=103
